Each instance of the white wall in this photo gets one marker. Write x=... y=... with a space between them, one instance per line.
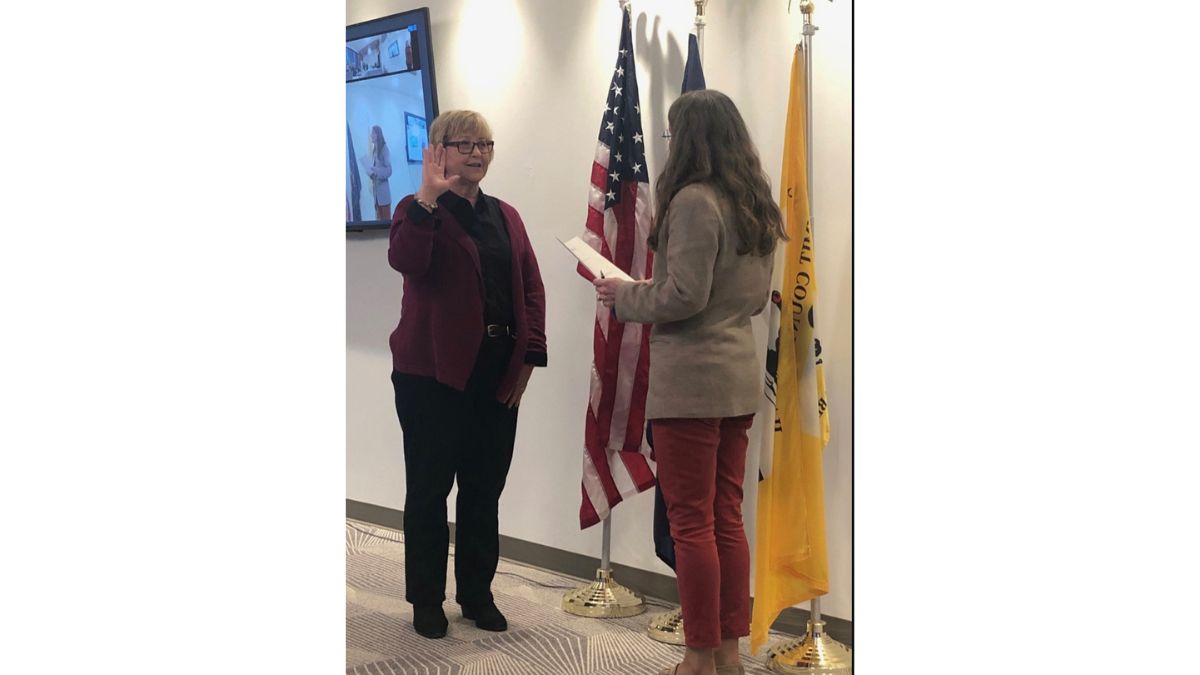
x=539 y=71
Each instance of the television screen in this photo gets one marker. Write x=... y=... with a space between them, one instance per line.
x=391 y=98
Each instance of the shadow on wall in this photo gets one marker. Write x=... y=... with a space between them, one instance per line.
x=665 y=64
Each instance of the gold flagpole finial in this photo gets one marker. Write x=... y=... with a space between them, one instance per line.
x=700 y=7
x=806 y=6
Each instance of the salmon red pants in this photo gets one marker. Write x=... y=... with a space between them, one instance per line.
x=701 y=463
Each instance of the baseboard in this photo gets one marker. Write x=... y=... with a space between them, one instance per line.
x=650 y=584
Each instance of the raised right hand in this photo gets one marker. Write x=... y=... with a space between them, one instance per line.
x=434 y=180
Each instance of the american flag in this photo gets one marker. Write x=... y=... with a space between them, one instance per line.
x=616 y=460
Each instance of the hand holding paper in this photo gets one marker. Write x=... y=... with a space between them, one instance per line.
x=596 y=264
x=606 y=290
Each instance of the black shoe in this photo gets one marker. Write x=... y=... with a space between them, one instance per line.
x=486 y=617
x=430 y=621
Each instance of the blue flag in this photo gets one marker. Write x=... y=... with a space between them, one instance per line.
x=664 y=545
x=693 y=72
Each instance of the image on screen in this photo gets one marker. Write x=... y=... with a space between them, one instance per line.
x=387 y=113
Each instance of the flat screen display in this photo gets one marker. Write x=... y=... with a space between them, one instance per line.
x=391 y=97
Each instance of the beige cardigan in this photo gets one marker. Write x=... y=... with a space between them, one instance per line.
x=703 y=357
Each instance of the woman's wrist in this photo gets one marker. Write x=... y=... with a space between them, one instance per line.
x=425 y=202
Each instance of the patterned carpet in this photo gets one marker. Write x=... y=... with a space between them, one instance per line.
x=541 y=638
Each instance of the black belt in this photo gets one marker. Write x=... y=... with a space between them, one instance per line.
x=497 y=330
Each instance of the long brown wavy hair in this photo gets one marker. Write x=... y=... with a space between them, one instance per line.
x=710 y=144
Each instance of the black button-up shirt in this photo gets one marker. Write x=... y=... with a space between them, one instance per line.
x=485 y=223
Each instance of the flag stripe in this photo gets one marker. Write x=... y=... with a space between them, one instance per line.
x=598 y=458
x=587 y=513
x=599 y=180
x=609 y=362
x=634 y=433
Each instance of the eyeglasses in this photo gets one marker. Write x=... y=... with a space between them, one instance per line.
x=467 y=147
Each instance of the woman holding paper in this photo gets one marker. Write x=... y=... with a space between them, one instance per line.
x=714 y=233
x=472 y=328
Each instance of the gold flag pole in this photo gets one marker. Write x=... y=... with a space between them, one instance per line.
x=816 y=653
x=604 y=598
x=668 y=626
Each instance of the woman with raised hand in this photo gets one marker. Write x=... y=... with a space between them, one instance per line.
x=471 y=331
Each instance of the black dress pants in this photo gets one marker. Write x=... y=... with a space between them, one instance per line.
x=450 y=434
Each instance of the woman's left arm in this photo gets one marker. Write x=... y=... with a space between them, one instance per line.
x=535 y=318
x=535 y=305
x=694 y=222
x=383 y=165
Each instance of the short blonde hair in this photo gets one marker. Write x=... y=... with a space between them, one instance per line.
x=454 y=122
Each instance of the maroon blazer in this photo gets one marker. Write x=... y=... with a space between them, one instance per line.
x=441 y=314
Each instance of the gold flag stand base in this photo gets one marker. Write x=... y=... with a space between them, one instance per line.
x=603 y=599
x=814 y=654
x=667 y=627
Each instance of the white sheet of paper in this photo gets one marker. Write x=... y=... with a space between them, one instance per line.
x=593 y=261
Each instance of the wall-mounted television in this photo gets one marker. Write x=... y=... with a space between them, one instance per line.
x=391 y=95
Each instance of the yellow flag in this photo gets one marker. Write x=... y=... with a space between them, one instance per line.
x=791 y=564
